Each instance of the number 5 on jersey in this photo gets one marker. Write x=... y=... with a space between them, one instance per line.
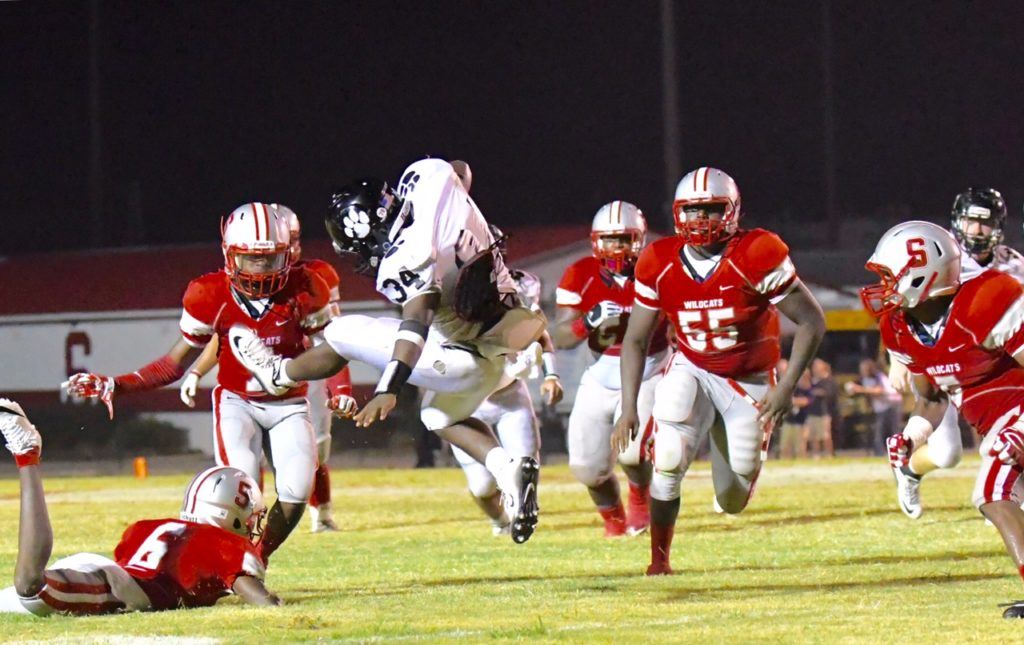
x=700 y=327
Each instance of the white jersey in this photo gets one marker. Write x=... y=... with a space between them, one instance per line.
x=1004 y=259
x=439 y=230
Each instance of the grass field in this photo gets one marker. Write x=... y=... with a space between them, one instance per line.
x=822 y=555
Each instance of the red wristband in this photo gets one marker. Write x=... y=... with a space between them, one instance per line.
x=160 y=372
x=579 y=329
x=30 y=458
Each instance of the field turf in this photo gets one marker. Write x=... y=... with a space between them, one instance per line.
x=822 y=555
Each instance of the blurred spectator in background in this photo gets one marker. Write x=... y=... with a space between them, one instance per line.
x=793 y=442
x=886 y=403
x=823 y=409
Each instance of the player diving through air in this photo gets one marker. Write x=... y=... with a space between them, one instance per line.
x=432 y=253
x=204 y=555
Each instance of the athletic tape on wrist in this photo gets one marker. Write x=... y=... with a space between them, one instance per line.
x=396 y=373
x=547 y=363
x=413 y=331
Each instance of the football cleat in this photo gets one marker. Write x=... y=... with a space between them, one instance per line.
x=659 y=569
x=521 y=501
x=1013 y=609
x=322 y=520
x=908 y=493
x=265 y=366
x=21 y=436
x=716 y=507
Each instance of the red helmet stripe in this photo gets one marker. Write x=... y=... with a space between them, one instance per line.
x=707 y=171
x=256 y=221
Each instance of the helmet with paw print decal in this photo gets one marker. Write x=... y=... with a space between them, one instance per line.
x=360 y=219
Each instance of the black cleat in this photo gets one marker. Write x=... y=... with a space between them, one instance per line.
x=524 y=513
x=1014 y=609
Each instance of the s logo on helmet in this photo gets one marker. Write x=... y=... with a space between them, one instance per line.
x=915 y=249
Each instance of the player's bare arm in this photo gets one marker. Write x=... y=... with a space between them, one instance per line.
x=199 y=369
x=800 y=307
x=551 y=386
x=253 y=592
x=417 y=314
x=163 y=371
x=634 y=349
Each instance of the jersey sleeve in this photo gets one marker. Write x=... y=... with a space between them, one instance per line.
x=199 y=313
x=315 y=305
x=649 y=269
x=767 y=266
x=330 y=278
x=1003 y=295
x=569 y=292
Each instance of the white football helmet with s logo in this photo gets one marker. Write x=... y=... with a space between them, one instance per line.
x=294 y=230
x=257 y=249
x=700 y=194
x=916 y=261
x=226 y=497
x=617 y=235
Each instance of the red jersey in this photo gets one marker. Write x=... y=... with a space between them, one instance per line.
x=972 y=359
x=282 y=321
x=185 y=564
x=725 y=322
x=587 y=283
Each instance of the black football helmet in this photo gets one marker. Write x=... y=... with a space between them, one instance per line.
x=360 y=219
x=983 y=204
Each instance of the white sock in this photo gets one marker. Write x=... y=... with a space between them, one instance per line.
x=499 y=464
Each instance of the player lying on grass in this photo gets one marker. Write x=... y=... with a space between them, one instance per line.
x=963 y=342
x=158 y=564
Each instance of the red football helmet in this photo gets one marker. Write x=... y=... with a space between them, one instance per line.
x=706 y=207
x=257 y=249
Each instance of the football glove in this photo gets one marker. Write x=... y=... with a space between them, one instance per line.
x=601 y=312
x=1009 y=447
x=92 y=386
x=189 y=385
x=342 y=405
x=900 y=449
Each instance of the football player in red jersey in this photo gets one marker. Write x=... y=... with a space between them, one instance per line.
x=722 y=288
x=977 y=220
x=158 y=564
x=333 y=394
x=594 y=299
x=964 y=343
x=284 y=305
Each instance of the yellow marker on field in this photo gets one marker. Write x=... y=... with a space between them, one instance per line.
x=141 y=468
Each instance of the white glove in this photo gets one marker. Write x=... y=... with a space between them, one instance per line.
x=342 y=405
x=601 y=312
x=189 y=387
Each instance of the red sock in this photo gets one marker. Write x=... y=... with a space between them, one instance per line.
x=321 y=486
x=639 y=512
x=30 y=458
x=614 y=520
x=661 y=544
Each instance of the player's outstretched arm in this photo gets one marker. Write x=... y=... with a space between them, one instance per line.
x=199 y=369
x=252 y=591
x=163 y=371
x=800 y=307
x=569 y=329
x=642 y=321
x=417 y=314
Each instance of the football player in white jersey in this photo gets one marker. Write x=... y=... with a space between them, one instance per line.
x=431 y=252
x=977 y=223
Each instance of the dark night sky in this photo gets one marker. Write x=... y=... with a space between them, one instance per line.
x=556 y=105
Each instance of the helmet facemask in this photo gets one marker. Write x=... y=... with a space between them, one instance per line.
x=883 y=297
x=977 y=233
x=258 y=272
x=618 y=252
x=704 y=222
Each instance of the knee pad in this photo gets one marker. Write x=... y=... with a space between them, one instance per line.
x=666 y=485
x=674 y=446
x=589 y=475
x=674 y=397
x=946 y=456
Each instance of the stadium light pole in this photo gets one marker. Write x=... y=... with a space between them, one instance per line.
x=829 y=126
x=98 y=236
x=669 y=105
